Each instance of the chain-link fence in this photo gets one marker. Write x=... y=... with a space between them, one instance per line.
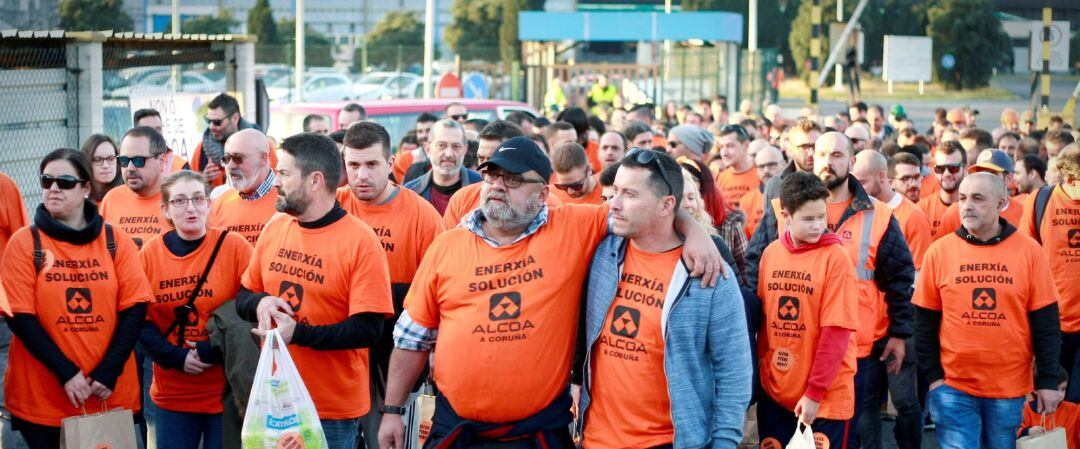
x=36 y=88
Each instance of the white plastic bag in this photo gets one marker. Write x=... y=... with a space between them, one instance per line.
x=280 y=413
x=803 y=439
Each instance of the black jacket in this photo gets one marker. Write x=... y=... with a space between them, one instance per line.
x=894 y=272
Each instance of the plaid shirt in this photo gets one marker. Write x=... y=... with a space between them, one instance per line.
x=410 y=335
x=263 y=188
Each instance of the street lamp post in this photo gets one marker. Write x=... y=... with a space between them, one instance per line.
x=429 y=45
x=299 y=79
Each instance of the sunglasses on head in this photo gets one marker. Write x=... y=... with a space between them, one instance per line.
x=137 y=161
x=737 y=129
x=646 y=157
x=217 y=121
x=66 y=182
x=953 y=168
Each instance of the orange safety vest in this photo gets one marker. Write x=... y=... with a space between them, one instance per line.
x=861 y=234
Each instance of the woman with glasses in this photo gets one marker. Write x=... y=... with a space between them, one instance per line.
x=193 y=270
x=729 y=223
x=76 y=299
x=105 y=175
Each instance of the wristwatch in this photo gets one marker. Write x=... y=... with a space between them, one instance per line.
x=391 y=410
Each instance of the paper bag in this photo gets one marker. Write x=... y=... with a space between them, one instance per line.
x=114 y=429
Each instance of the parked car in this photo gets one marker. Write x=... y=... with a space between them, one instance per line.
x=162 y=81
x=317 y=87
x=398 y=116
x=387 y=85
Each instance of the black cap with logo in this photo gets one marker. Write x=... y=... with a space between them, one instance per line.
x=519 y=155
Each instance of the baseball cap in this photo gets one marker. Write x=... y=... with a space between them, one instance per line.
x=519 y=155
x=898 y=111
x=992 y=160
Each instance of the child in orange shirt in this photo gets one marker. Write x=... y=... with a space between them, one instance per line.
x=807 y=343
x=1066 y=417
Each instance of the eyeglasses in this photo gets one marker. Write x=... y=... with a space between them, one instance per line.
x=673 y=144
x=576 y=185
x=137 y=161
x=217 y=121
x=66 y=182
x=460 y=117
x=180 y=203
x=510 y=180
x=809 y=146
x=227 y=158
x=908 y=179
x=646 y=157
x=108 y=160
x=953 y=168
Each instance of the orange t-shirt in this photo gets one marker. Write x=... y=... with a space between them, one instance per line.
x=77 y=300
x=929 y=187
x=629 y=356
x=1066 y=417
x=985 y=294
x=172 y=278
x=512 y=309
x=139 y=217
x=1021 y=197
x=753 y=203
x=1060 y=235
x=935 y=211
x=12 y=211
x=244 y=217
x=915 y=226
x=834 y=211
x=802 y=293
x=592 y=152
x=402 y=162
x=406 y=225
x=173 y=163
x=595 y=197
x=327 y=274
x=950 y=222
x=468 y=198
x=734 y=185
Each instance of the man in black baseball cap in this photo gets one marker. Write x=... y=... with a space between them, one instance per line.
x=516 y=186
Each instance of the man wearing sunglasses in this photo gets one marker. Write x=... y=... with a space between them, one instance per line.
x=457 y=112
x=573 y=177
x=136 y=206
x=859 y=136
x=222 y=121
x=248 y=202
x=497 y=300
x=950 y=165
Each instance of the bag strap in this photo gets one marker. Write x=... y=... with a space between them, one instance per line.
x=1042 y=198
x=39 y=253
x=179 y=323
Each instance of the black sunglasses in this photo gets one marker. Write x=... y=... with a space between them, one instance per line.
x=576 y=185
x=239 y=159
x=137 y=161
x=953 y=168
x=460 y=117
x=66 y=182
x=646 y=157
x=217 y=121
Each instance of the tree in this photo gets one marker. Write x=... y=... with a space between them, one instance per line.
x=396 y=41
x=222 y=24
x=318 y=49
x=260 y=23
x=94 y=15
x=970 y=32
x=474 y=29
x=509 y=45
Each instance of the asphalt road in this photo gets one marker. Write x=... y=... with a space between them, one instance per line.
x=922 y=111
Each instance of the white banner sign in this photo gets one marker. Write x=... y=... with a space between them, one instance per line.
x=1059 y=46
x=908 y=58
x=182 y=117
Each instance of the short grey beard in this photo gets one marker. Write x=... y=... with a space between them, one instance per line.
x=506 y=218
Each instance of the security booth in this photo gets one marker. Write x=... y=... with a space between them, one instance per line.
x=683 y=56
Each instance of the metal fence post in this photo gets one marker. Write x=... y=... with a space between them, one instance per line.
x=240 y=74
x=85 y=79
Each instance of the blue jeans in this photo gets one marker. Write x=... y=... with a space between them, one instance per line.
x=341 y=433
x=149 y=409
x=908 y=429
x=183 y=430
x=965 y=421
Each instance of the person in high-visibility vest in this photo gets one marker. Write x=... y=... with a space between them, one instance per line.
x=554 y=99
x=602 y=95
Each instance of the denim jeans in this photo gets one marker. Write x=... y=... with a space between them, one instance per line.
x=902 y=386
x=149 y=409
x=341 y=433
x=183 y=430
x=965 y=421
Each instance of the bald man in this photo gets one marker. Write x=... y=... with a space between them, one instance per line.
x=986 y=314
x=247 y=202
x=859 y=136
x=768 y=162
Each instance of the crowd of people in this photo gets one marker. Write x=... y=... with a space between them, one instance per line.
x=602 y=278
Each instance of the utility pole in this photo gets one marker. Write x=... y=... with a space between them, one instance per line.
x=299 y=79
x=429 y=45
x=667 y=62
x=815 y=51
x=839 y=83
x=1043 y=117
